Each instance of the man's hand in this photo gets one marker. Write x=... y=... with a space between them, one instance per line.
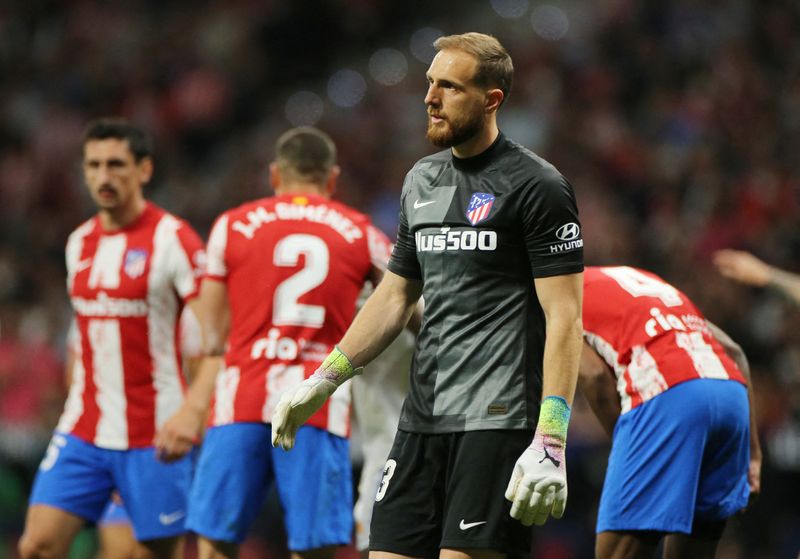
x=301 y=402
x=538 y=485
x=754 y=475
x=743 y=267
x=179 y=434
x=296 y=406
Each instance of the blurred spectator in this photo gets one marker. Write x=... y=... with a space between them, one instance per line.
x=745 y=268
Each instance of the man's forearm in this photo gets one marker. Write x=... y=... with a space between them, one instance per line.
x=198 y=397
x=381 y=319
x=562 y=351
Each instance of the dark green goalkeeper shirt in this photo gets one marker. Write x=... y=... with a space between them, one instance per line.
x=477 y=232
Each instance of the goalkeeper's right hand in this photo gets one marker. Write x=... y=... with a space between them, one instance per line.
x=299 y=403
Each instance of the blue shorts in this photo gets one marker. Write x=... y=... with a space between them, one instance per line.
x=79 y=477
x=680 y=457
x=237 y=466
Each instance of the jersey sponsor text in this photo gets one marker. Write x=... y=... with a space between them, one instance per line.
x=465 y=239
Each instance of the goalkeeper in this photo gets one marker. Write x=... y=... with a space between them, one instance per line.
x=489 y=236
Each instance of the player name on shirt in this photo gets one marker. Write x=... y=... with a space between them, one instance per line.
x=305 y=259
x=294 y=212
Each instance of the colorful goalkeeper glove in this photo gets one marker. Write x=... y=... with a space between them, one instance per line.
x=538 y=485
x=302 y=401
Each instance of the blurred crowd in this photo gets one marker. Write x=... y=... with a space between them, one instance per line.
x=677 y=121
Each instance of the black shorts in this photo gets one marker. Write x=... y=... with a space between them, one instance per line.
x=447 y=491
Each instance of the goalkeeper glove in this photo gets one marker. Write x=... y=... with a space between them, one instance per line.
x=302 y=401
x=538 y=485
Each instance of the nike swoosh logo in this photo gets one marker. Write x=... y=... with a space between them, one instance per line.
x=418 y=204
x=171 y=518
x=466 y=526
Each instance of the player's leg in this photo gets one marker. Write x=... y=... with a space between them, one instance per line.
x=115 y=534
x=229 y=487
x=215 y=549
x=155 y=496
x=388 y=555
x=49 y=532
x=314 y=482
x=700 y=544
x=116 y=539
x=471 y=554
x=371 y=474
x=627 y=545
x=161 y=548
x=72 y=486
x=407 y=514
x=476 y=519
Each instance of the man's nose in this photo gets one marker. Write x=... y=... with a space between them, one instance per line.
x=432 y=96
x=103 y=173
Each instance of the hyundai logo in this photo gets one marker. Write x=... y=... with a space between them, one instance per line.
x=568 y=232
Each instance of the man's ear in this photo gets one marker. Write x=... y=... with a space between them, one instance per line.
x=274 y=176
x=333 y=177
x=494 y=98
x=146 y=168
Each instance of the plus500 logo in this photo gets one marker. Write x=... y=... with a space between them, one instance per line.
x=468 y=239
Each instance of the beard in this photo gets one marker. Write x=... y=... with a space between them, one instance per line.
x=454 y=131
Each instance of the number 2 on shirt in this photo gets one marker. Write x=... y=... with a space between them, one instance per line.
x=286 y=309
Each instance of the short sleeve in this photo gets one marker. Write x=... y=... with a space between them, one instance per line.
x=217 y=245
x=191 y=338
x=551 y=227
x=189 y=262
x=380 y=247
x=404 y=256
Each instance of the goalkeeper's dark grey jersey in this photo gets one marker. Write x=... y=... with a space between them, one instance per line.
x=477 y=232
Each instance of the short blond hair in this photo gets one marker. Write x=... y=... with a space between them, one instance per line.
x=305 y=153
x=495 y=68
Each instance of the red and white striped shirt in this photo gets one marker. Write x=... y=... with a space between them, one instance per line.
x=127 y=289
x=650 y=334
x=293 y=267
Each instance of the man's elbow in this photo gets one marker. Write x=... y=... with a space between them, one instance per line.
x=213 y=346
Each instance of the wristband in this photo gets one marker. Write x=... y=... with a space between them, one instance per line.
x=553 y=419
x=336 y=368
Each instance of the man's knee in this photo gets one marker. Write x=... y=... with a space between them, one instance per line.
x=327 y=552
x=626 y=545
x=39 y=546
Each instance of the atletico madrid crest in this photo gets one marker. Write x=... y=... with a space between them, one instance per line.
x=135 y=262
x=479 y=207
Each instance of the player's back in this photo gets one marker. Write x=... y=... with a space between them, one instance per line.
x=293 y=266
x=649 y=332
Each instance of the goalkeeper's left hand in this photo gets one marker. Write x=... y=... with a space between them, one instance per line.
x=538 y=485
x=298 y=404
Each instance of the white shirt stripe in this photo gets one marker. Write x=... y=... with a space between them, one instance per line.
x=169 y=267
x=112 y=426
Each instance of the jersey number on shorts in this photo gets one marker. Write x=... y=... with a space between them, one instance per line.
x=388 y=472
x=286 y=309
x=53 y=450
